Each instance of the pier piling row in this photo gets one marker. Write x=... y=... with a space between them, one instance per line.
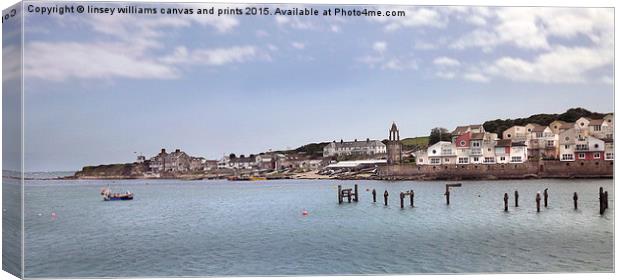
x=505 y=202
x=350 y=194
x=409 y=193
x=538 y=202
x=546 y=196
x=374 y=196
x=447 y=193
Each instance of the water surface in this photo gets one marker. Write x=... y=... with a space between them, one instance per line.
x=215 y=228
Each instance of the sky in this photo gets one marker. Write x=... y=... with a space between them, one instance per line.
x=101 y=89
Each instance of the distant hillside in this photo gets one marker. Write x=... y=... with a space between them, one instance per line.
x=571 y=115
x=415 y=143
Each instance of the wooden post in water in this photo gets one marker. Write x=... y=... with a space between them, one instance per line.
x=447 y=194
x=411 y=197
x=505 y=202
x=349 y=195
x=546 y=196
x=385 y=197
x=575 y=198
x=606 y=200
x=601 y=201
x=538 y=202
x=339 y=194
x=374 y=196
x=356 y=194
x=516 y=198
x=402 y=200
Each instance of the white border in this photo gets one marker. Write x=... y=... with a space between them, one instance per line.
x=559 y=3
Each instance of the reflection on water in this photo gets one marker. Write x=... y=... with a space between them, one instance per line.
x=201 y=228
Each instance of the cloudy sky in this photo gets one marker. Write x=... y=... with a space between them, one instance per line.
x=101 y=88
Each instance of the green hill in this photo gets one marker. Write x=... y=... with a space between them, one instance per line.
x=415 y=143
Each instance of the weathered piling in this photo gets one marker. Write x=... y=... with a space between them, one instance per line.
x=356 y=199
x=575 y=198
x=505 y=202
x=538 y=202
x=606 y=195
x=402 y=200
x=374 y=196
x=447 y=193
x=546 y=196
x=516 y=198
x=339 y=194
x=385 y=197
x=601 y=201
x=411 y=197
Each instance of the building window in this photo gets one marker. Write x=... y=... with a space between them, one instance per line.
x=515 y=159
x=597 y=155
x=434 y=152
x=435 y=161
x=582 y=155
x=550 y=143
x=476 y=159
x=502 y=158
x=597 y=128
x=463 y=160
x=489 y=160
x=567 y=156
x=475 y=144
x=609 y=156
x=421 y=160
x=596 y=146
x=582 y=147
x=446 y=159
x=508 y=135
x=462 y=143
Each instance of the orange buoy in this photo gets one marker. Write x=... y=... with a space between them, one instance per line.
x=305 y=212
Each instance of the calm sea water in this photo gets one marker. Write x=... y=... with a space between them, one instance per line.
x=215 y=228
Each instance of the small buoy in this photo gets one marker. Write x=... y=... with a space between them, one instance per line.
x=367 y=190
x=305 y=212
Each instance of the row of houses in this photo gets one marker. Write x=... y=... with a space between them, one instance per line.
x=585 y=139
x=270 y=161
x=177 y=161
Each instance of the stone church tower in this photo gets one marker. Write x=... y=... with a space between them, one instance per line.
x=394 y=147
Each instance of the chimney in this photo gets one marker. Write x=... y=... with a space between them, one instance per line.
x=367 y=140
x=177 y=150
x=355 y=140
x=341 y=141
x=163 y=151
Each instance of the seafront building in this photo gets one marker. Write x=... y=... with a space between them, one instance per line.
x=354 y=148
x=585 y=139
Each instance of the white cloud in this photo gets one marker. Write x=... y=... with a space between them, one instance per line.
x=445 y=61
x=335 y=28
x=213 y=57
x=272 y=47
x=61 y=61
x=397 y=64
x=424 y=46
x=298 y=45
x=379 y=46
x=561 y=65
x=294 y=22
x=447 y=75
x=476 y=77
x=532 y=28
x=415 y=17
x=11 y=63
